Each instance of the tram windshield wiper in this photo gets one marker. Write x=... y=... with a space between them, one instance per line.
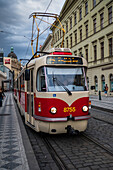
x=59 y=83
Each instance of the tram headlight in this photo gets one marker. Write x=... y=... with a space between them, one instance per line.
x=85 y=109
x=53 y=110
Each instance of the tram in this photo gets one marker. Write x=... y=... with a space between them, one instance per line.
x=52 y=92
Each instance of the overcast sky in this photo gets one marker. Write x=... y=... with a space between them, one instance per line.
x=15 y=22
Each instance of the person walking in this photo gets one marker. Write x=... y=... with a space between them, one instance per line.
x=1 y=96
x=106 y=90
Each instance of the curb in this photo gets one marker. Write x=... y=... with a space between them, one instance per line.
x=32 y=162
x=101 y=108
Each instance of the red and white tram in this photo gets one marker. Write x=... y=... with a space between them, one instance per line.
x=52 y=93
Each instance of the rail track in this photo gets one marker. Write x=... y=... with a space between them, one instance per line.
x=48 y=144
x=97 y=143
x=102 y=120
x=60 y=163
x=49 y=156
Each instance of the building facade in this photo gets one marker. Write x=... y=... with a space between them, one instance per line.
x=12 y=63
x=3 y=77
x=47 y=44
x=6 y=78
x=89 y=31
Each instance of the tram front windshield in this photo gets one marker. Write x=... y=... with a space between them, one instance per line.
x=58 y=79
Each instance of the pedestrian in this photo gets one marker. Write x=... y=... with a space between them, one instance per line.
x=106 y=90
x=1 y=96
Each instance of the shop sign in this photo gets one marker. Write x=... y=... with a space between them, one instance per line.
x=7 y=61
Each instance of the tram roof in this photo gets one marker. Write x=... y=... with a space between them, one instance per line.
x=55 y=52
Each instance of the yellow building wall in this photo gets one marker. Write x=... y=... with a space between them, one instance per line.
x=100 y=66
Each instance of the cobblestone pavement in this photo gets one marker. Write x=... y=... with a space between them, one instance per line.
x=76 y=152
x=100 y=130
x=81 y=154
x=12 y=154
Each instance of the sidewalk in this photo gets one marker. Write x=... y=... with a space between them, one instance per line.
x=106 y=103
x=13 y=154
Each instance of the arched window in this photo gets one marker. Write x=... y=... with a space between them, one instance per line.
x=111 y=82
x=103 y=82
x=96 y=83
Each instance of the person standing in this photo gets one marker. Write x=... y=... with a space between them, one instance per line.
x=106 y=90
x=1 y=96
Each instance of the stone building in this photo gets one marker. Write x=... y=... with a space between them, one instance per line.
x=89 y=31
x=3 y=77
x=12 y=63
x=47 y=44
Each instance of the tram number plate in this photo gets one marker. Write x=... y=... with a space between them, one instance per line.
x=69 y=109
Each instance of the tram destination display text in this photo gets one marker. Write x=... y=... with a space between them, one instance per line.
x=64 y=60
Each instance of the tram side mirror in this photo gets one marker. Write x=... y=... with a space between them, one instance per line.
x=27 y=75
x=92 y=87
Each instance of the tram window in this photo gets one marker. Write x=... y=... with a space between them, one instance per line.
x=28 y=85
x=72 y=78
x=17 y=83
x=22 y=81
x=41 y=85
x=31 y=80
x=56 y=78
x=20 y=86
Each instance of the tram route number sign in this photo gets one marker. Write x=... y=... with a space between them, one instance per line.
x=64 y=60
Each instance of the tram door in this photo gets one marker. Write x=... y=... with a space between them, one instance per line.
x=30 y=102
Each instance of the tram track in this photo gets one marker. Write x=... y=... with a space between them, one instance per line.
x=60 y=163
x=97 y=143
x=50 y=143
x=63 y=151
x=102 y=120
x=45 y=143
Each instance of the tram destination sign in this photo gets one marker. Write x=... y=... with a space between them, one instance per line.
x=64 y=60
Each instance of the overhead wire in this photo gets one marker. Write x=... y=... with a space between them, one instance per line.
x=38 y=26
x=6 y=32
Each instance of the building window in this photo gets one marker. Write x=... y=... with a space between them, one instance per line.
x=102 y=50
x=63 y=44
x=80 y=13
x=66 y=27
x=67 y=42
x=101 y=20
x=95 y=53
x=110 y=15
x=94 y=3
x=75 y=18
x=111 y=82
x=96 y=83
x=75 y=38
x=58 y=35
x=71 y=41
x=103 y=82
x=87 y=31
x=71 y=23
x=86 y=8
x=80 y=52
x=86 y=54
x=94 y=25
x=55 y=38
x=110 y=47
x=75 y=52
x=80 y=34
